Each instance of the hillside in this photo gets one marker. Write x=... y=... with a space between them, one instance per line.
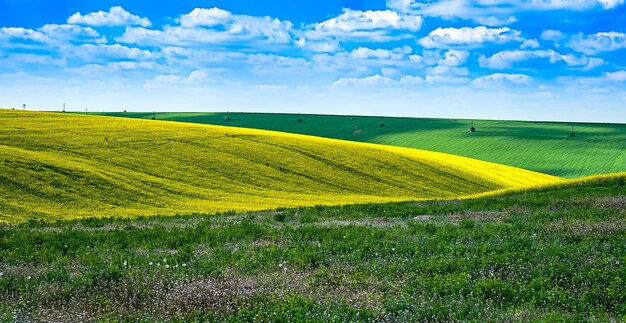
x=554 y=254
x=544 y=147
x=56 y=166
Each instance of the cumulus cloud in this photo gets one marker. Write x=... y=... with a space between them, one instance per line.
x=205 y=17
x=379 y=53
x=364 y=81
x=97 y=52
x=113 y=67
x=493 y=13
x=370 y=25
x=530 y=43
x=21 y=59
x=598 y=43
x=7 y=33
x=619 y=76
x=213 y=26
x=116 y=16
x=364 y=60
x=195 y=77
x=499 y=79
x=454 y=57
x=505 y=59
x=468 y=37
x=47 y=38
x=553 y=35
x=571 y=4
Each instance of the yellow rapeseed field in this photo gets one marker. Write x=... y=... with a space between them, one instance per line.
x=61 y=166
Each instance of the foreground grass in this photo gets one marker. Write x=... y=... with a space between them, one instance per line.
x=58 y=166
x=548 y=254
x=544 y=147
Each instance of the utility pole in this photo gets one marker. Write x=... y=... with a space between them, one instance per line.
x=85 y=111
x=63 y=107
x=24 y=106
x=153 y=115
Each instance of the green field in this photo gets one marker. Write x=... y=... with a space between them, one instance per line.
x=544 y=147
x=120 y=219
x=59 y=166
x=555 y=254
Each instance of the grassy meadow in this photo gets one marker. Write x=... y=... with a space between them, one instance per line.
x=552 y=254
x=128 y=220
x=58 y=166
x=544 y=147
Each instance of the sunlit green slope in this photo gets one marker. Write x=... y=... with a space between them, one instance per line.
x=55 y=166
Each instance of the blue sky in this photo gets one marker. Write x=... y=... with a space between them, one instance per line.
x=510 y=59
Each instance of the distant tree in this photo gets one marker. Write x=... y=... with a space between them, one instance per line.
x=573 y=134
x=153 y=115
x=24 y=106
x=472 y=128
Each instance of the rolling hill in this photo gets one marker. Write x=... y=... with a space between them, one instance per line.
x=545 y=147
x=60 y=166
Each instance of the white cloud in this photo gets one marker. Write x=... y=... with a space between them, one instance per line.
x=195 y=77
x=597 y=43
x=364 y=60
x=499 y=79
x=553 y=35
x=571 y=4
x=505 y=59
x=469 y=37
x=116 y=16
x=364 y=81
x=200 y=17
x=213 y=26
x=448 y=71
x=619 y=76
x=588 y=63
x=91 y=52
x=446 y=79
x=23 y=77
x=530 y=43
x=366 y=53
x=22 y=33
x=113 y=67
x=492 y=12
x=454 y=57
x=371 y=25
x=492 y=21
x=269 y=87
x=321 y=46
x=605 y=79
x=21 y=59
